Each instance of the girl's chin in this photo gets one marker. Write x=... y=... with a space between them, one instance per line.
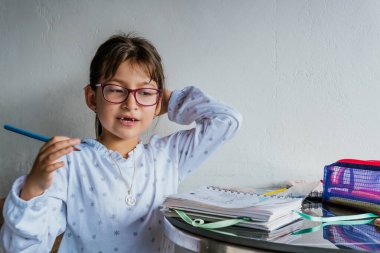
x=128 y=137
x=120 y=136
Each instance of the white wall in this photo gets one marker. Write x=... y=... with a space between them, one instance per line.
x=304 y=74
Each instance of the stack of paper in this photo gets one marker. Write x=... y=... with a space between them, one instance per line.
x=214 y=204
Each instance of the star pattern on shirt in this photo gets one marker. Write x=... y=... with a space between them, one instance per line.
x=96 y=205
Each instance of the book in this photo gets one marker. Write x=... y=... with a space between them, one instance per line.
x=266 y=212
x=306 y=189
x=279 y=235
x=317 y=192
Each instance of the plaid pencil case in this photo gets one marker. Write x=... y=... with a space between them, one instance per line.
x=353 y=183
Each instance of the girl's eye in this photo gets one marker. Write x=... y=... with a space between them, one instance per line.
x=147 y=93
x=115 y=90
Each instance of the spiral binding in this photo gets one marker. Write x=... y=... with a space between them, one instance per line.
x=311 y=205
x=315 y=194
x=216 y=188
x=232 y=191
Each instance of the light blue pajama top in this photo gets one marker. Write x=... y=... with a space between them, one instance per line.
x=87 y=197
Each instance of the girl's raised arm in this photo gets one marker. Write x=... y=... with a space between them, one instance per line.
x=215 y=122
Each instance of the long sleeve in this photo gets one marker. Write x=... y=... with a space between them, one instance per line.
x=32 y=226
x=86 y=199
x=215 y=122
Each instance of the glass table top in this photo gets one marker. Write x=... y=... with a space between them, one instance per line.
x=329 y=238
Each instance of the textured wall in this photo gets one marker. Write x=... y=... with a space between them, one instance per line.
x=304 y=74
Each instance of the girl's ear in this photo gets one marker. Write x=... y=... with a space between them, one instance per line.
x=158 y=108
x=90 y=97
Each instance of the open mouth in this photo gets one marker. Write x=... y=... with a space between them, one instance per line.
x=125 y=119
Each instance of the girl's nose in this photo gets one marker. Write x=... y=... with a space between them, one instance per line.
x=131 y=102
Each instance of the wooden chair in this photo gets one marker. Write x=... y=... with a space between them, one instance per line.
x=2 y=200
x=57 y=240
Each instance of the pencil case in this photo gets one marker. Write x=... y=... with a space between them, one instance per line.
x=353 y=183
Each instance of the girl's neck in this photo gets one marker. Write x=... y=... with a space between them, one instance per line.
x=121 y=146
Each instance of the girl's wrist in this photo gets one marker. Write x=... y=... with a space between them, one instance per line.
x=30 y=190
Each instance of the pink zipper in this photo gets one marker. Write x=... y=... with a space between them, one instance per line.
x=363 y=162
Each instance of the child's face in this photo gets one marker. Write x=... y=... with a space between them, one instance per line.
x=112 y=116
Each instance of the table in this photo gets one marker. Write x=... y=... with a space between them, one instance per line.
x=331 y=238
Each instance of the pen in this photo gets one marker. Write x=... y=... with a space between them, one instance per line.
x=29 y=134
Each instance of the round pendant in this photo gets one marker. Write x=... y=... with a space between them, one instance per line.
x=130 y=200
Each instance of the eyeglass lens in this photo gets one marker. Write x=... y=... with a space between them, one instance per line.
x=117 y=94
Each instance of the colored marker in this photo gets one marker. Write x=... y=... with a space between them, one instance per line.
x=274 y=192
x=29 y=134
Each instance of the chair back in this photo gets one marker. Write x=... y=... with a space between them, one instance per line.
x=2 y=200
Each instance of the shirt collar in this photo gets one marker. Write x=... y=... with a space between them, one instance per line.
x=107 y=152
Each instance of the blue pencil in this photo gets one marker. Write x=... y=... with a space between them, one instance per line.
x=30 y=134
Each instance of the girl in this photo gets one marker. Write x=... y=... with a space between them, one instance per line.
x=106 y=196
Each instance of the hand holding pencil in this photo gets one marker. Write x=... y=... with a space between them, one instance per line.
x=29 y=134
x=47 y=161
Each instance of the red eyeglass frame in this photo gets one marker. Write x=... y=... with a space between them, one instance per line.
x=130 y=91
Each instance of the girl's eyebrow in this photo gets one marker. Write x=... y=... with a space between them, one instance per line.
x=150 y=83
x=139 y=84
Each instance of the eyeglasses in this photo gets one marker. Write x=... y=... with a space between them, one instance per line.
x=117 y=94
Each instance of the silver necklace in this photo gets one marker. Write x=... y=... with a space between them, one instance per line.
x=130 y=200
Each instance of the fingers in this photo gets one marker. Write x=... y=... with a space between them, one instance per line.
x=41 y=176
x=52 y=141
x=54 y=166
x=58 y=142
x=54 y=149
x=53 y=156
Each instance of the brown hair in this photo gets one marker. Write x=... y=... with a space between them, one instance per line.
x=118 y=49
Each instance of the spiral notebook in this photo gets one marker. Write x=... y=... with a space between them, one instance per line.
x=266 y=212
x=317 y=192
